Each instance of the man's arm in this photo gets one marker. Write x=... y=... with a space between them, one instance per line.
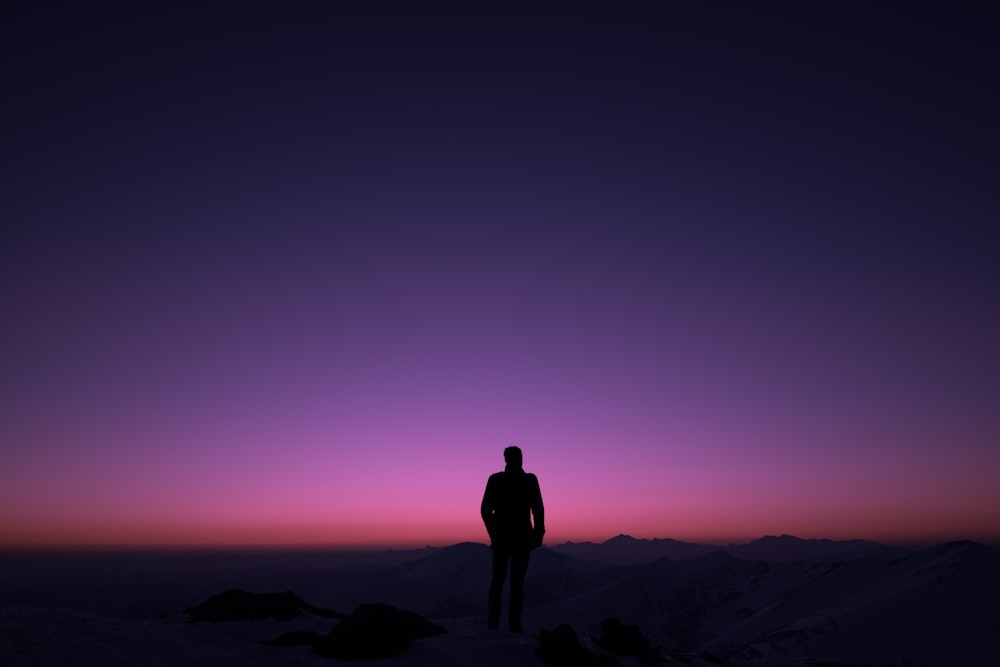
x=537 y=509
x=486 y=508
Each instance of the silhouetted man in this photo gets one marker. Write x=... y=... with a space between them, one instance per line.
x=512 y=498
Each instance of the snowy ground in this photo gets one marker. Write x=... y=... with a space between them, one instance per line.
x=938 y=607
x=56 y=638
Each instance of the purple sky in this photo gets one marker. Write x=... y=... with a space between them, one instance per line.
x=297 y=274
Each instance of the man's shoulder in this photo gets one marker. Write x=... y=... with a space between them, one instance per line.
x=502 y=476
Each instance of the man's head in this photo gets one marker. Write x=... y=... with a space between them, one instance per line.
x=512 y=455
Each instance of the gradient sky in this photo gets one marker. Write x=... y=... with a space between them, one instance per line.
x=297 y=273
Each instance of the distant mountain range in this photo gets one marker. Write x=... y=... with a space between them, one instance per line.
x=626 y=550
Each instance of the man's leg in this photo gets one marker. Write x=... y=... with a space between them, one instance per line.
x=500 y=557
x=518 y=571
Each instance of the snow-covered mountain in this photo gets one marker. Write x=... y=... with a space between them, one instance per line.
x=939 y=606
x=787 y=548
x=627 y=550
x=936 y=606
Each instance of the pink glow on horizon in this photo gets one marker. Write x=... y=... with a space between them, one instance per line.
x=427 y=492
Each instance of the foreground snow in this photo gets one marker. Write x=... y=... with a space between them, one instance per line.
x=937 y=607
x=56 y=638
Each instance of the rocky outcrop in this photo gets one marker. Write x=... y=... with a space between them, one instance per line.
x=561 y=648
x=371 y=631
x=374 y=631
x=627 y=640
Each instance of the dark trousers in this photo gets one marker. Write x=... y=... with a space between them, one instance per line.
x=518 y=560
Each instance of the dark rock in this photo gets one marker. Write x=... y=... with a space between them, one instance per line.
x=561 y=648
x=627 y=640
x=374 y=631
x=239 y=605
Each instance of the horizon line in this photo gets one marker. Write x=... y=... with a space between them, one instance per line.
x=369 y=548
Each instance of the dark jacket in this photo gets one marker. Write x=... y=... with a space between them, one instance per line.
x=511 y=499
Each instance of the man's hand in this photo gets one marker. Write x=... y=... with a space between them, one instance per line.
x=536 y=537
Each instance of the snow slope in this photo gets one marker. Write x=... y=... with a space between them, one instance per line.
x=937 y=607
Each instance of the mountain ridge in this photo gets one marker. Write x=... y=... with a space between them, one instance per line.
x=627 y=550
